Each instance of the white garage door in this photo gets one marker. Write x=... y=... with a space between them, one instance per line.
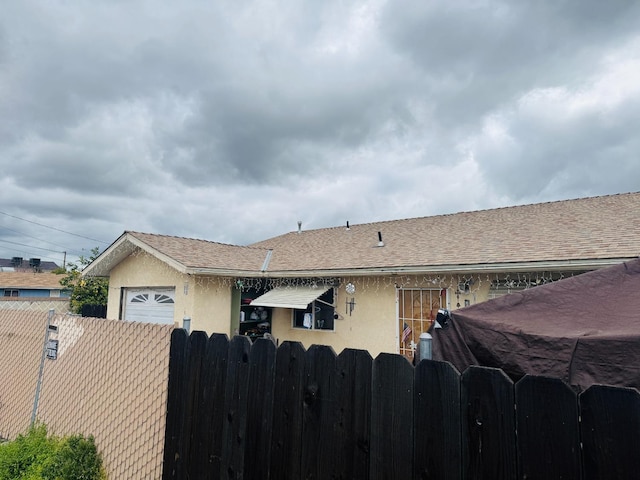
x=149 y=305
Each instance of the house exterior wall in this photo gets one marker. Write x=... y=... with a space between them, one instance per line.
x=211 y=311
x=141 y=270
x=206 y=301
x=371 y=325
x=373 y=322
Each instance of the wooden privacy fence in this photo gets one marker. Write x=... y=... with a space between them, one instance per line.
x=243 y=411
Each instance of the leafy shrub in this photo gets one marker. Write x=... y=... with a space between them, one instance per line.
x=36 y=456
x=77 y=458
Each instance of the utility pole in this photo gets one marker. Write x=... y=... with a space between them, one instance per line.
x=45 y=347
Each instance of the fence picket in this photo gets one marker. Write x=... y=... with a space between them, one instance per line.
x=286 y=434
x=437 y=420
x=318 y=412
x=259 y=409
x=610 y=432
x=235 y=409
x=209 y=427
x=391 y=418
x=352 y=422
x=192 y=404
x=488 y=424
x=548 y=429
x=178 y=352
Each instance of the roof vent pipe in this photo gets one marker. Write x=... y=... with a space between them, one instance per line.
x=380 y=242
x=299 y=226
x=347 y=224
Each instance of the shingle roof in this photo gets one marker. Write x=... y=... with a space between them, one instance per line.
x=25 y=264
x=194 y=253
x=606 y=227
x=30 y=280
x=188 y=255
x=594 y=229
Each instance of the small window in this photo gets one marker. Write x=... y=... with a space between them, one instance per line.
x=11 y=293
x=319 y=314
x=160 y=298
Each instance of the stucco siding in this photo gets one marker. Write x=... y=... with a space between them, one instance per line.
x=143 y=270
x=371 y=325
x=212 y=305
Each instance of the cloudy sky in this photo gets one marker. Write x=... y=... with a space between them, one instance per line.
x=232 y=120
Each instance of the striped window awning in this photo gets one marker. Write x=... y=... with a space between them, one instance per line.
x=289 y=297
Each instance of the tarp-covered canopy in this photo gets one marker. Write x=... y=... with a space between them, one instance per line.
x=583 y=329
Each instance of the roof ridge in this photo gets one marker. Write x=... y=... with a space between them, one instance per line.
x=508 y=207
x=178 y=237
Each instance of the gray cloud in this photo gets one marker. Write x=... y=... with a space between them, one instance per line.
x=231 y=121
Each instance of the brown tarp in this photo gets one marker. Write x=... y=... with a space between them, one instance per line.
x=583 y=329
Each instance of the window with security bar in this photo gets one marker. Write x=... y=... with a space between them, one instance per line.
x=417 y=310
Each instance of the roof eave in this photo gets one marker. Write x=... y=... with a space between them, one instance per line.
x=554 y=265
x=223 y=272
x=121 y=249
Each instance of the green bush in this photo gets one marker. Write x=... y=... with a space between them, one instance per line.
x=37 y=456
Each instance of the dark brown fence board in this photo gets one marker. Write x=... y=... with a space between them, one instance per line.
x=178 y=352
x=438 y=450
x=209 y=427
x=318 y=412
x=548 y=429
x=610 y=433
x=259 y=409
x=235 y=409
x=242 y=411
x=391 y=418
x=353 y=415
x=286 y=434
x=193 y=407
x=488 y=425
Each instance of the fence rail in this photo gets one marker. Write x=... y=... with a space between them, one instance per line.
x=238 y=410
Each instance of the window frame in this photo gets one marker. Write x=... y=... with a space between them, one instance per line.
x=297 y=316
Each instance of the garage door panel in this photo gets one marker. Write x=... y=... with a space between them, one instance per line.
x=149 y=305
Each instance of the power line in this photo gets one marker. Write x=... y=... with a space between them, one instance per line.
x=29 y=254
x=54 y=228
x=35 y=238
x=30 y=246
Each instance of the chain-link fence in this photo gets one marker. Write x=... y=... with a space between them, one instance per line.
x=108 y=379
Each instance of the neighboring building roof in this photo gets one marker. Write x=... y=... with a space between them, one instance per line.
x=30 y=280
x=28 y=264
x=571 y=234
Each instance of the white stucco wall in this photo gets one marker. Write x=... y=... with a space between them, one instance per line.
x=207 y=302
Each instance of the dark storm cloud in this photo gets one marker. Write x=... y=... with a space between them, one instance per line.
x=233 y=120
x=565 y=156
x=477 y=55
